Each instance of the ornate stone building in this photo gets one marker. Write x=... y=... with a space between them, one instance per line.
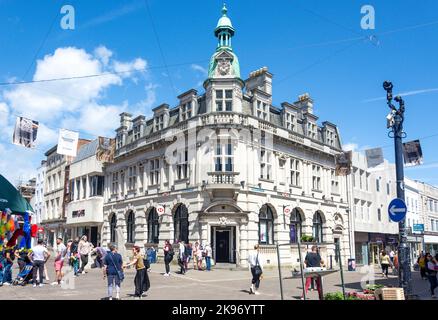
x=221 y=166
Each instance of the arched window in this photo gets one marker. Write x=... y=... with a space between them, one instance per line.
x=113 y=224
x=296 y=225
x=266 y=225
x=130 y=225
x=181 y=224
x=153 y=226
x=317 y=227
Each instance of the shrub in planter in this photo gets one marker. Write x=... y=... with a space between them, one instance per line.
x=305 y=238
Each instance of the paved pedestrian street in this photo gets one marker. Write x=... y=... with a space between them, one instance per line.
x=218 y=284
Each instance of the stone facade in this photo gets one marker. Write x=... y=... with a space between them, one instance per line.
x=223 y=165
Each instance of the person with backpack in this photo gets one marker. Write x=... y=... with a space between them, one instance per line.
x=141 y=280
x=113 y=271
x=256 y=266
x=168 y=256
x=181 y=257
x=431 y=271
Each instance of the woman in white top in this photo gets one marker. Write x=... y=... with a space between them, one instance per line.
x=199 y=255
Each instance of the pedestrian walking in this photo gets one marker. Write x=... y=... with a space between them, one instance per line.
x=84 y=249
x=61 y=251
x=187 y=255
x=255 y=262
x=208 y=255
x=75 y=256
x=431 y=271
x=391 y=256
x=385 y=263
x=168 y=256
x=39 y=256
x=141 y=280
x=113 y=271
x=200 y=255
x=422 y=265
x=195 y=255
x=313 y=260
x=181 y=257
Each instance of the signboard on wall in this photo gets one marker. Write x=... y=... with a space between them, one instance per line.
x=160 y=210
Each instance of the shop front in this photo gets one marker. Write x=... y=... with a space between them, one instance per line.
x=431 y=243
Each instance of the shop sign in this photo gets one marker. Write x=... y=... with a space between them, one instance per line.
x=78 y=213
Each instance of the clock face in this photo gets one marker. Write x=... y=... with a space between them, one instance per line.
x=224 y=67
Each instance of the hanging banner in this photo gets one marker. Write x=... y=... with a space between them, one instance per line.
x=374 y=157
x=68 y=142
x=412 y=154
x=343 y=163
x=25 y=132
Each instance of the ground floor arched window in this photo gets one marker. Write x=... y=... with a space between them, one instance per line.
x=296 y=225
x=113 y=225
x=266 y=225
x=181 y=224
x=317 y=227
x=153 y=226
x=130 y=227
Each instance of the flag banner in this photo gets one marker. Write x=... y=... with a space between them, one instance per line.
x=374 y=157
x=412 y=154
x=25 y=132
x=343 y=163
x=106 y=150
x=68 y=142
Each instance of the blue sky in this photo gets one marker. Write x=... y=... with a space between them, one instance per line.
x=299 y=41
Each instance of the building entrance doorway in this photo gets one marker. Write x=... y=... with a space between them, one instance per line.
x=224 y=244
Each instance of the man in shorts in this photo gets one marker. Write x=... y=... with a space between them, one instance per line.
x=61 y=250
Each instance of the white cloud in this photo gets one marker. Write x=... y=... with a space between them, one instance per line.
x=49 y=100
x=200 y=69
x=72 y=104
x=350 y=147
x=96 y=120
x=404 y=94
x=125 y=69
x=148 y=103
x=104 y=54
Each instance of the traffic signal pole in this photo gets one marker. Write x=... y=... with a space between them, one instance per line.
x=395 y=121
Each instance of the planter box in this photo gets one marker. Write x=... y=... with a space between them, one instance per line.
x=389 y=294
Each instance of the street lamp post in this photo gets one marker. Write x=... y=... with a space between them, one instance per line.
x=395 y=122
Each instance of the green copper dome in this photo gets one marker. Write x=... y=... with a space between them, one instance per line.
x=229 y=63
x=224 y=22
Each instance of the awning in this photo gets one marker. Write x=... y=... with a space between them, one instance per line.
x=430 y=239
x=11 y=199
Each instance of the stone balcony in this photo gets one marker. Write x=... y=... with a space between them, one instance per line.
x=222 y=184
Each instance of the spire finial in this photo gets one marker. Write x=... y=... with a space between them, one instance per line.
x=224 y=9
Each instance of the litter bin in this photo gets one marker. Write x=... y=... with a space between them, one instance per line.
x=351 y=265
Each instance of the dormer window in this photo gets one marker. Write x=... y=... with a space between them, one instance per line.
x=262 y=110
x=186 y=111
x=119 y=141
x=159 y=123
x=311 y=130
x=224 y=100
x=330 y=138
x=290 y=121
x=137 y=132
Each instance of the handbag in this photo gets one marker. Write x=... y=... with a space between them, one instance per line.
x=257 y=269
x=120 y=273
